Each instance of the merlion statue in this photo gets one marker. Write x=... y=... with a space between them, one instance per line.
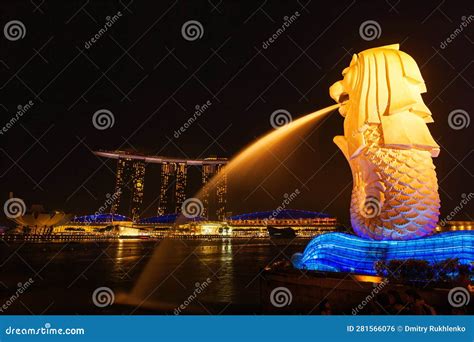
x=388 y=145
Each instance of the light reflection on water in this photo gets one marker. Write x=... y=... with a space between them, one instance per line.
x=232 y=265
x=70 y=272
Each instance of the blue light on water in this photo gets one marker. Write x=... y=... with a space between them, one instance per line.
x=339 y=252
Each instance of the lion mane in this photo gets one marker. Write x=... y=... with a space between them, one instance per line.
x=384 y=86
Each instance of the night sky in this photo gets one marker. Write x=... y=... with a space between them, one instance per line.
x=151 y=79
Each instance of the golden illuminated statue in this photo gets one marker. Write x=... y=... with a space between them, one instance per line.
x=388 y=145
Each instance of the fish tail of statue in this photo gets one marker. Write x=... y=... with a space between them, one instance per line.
x=395 y=192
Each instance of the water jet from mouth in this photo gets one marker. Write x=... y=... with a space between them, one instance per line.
x=146 y=292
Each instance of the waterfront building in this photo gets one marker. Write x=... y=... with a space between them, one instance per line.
x=38 y=221
x=304 y=223
x=112 y=225
x=448 y=226
x=130 y=181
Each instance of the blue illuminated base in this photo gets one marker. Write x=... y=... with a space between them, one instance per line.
x=338 y=252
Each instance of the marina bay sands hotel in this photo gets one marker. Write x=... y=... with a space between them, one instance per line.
x=130 y=177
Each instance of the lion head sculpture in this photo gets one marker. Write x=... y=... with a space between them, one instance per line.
x=383 y=86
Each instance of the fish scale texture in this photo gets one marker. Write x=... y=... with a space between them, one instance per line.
x=407 y=202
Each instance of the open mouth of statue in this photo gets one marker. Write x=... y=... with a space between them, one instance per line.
x=343 y=98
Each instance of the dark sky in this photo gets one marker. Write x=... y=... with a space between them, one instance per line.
x=151 y=79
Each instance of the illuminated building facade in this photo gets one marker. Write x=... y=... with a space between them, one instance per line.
x=129 y=184
x=304 y=223
x=214 y=198
x=108 y=225
x=221 y=193
x=138 y=182
x=119 y=183
x=130 y=180
x=167 y=172
x=38 y=221
x=172 y=188
x=447 y=226
x=207 y=172
x=180 y=186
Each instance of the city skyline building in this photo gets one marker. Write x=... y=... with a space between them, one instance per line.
x=130 y=183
